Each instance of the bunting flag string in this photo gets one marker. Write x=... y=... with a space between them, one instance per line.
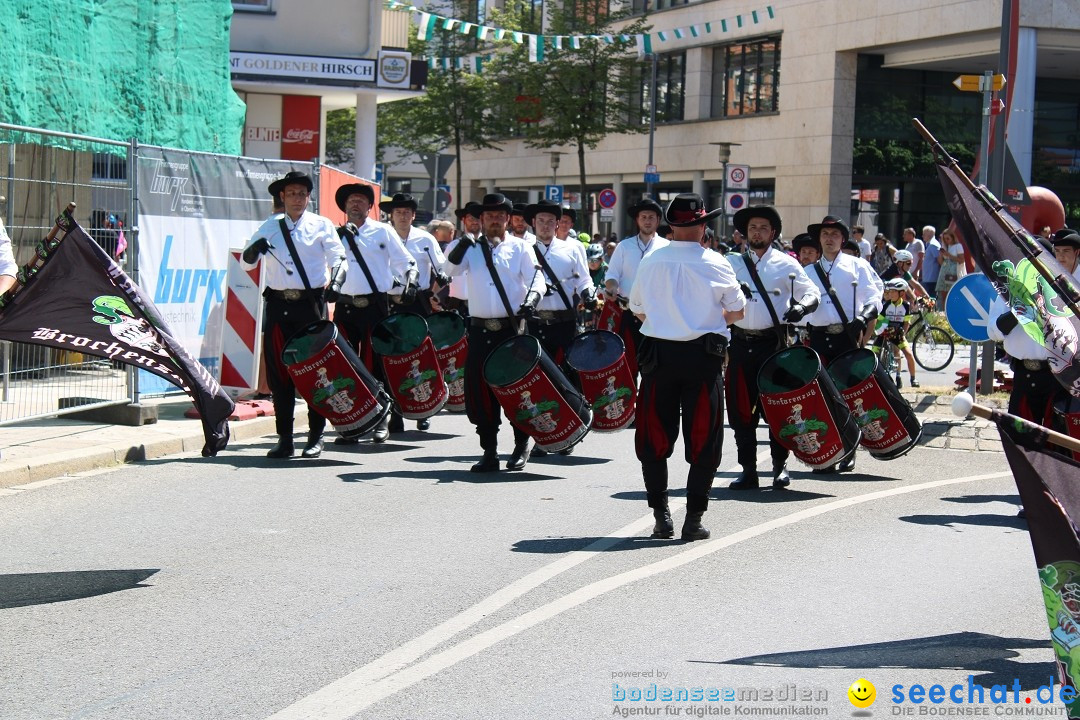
x=427 y=23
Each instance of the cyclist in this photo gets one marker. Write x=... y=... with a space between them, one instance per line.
x=893 y=324
x=901 y=268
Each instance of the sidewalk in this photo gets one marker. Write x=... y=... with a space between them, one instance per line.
x=53 y=447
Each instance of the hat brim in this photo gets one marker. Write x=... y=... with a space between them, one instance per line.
x=636 y=210
x=1072 y=241
x=277 y=186
x=532 y=211
x=342 y=195
x=815 y=230
x=798 y=245
x=696 y=221
x=388 y=206
x=742 y=218
x=462 y=213
x=505 y=207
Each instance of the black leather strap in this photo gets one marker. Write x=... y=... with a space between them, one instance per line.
x=832 y=293
x=551 y=274
x=485 y=248
x=752 y=269
x=292 y=251
x=351 y=240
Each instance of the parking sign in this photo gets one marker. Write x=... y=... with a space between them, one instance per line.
x=553 y=193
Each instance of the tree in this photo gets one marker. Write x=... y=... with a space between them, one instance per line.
x=341 y=136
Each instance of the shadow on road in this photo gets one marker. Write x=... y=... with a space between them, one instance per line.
x=447 y=476
x=990 y=655
x=764 y=495
x=1012 y=499
x=558 y=545
x=1008 y=520
x=23 y=589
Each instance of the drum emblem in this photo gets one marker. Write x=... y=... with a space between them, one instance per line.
x=334 y=393
x=1061 y=596
x=418 y=383
x=870 y=421
x=537 y=415
x=612 y=400
x=806 y=433
x=454 y=378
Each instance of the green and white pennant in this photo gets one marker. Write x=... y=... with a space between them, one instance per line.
x=536 y=48
x=426 y=26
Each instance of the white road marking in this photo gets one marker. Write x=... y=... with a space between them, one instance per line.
x=344 y=698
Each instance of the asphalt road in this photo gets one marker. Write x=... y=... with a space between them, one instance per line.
x=390 y=582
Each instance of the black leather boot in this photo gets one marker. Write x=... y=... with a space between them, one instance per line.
x=488 y=463
x=665 y=526
x=748 y=480
x=283 y=449
x=397 y=423
x=692 y=528
x=520 y=456
x=781 y=478
x=382 y=430
x=314 y=446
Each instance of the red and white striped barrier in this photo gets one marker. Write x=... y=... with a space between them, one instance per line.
x=240 y=346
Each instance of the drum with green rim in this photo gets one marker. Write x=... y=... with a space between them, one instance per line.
x=451 y=349
x=599 y=357
x=412 y=370
x=889 y=426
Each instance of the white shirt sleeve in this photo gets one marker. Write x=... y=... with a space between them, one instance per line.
x=8 y=266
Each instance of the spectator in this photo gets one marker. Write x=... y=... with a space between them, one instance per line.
x=931 y=264
x=609 y=249
x=881 y=258
x=1045 y=232
x=907 y=237
x=952 y=267
x=738 y=242
x=443 y=232
x=917 y=249
x=857 y=233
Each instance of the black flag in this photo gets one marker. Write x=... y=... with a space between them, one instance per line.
x=81 y=300
x=1049 y=490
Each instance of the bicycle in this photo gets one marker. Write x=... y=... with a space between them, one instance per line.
x=932 y=346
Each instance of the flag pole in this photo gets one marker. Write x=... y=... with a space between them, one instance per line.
x=64 y=221
x=963 y=406
x=1027 y=245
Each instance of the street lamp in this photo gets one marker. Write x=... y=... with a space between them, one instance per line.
x=554 y=165
x=725 y=156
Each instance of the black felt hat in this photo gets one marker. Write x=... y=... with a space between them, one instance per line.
x=342 y=195
x=400 y=200
x=645 y=204
x=687 y=210
x=544 y=206
x=829 y=221
x=1066 y=237
x=495 y=201
x=767 y=212
x=294 y=177
x=805 y=240
x=471 y=208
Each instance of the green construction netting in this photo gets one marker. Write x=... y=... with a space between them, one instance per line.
x=155 y=70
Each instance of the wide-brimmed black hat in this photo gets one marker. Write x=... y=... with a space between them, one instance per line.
x=687 y=210
x=400 y=200
x=494 y=202
x=294 y=177
x=544 y=206
x=343 y=193
x=570 y=213
x=471 y=208
x=767 y=212
x=829 y=221
x=519 y=209
x=851 y=244
x=645 y=204
x=1066 y=237
x=805 y=240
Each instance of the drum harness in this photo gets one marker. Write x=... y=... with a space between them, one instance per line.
x=300 y=267
x=832 y=294
x=783 y=340
x=350 y=238
x=551 y=274
x=485 y=248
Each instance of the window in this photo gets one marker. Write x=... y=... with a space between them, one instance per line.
x=252 y=6
x=107 y=166
x=639 y=7
x=670 y=89
x=746 y=78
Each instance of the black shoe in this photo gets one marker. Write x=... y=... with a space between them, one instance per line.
x=488 y=463
x=567 y=451
x=899 y=382
x=382 y=430
x=397 y=425
x=747 y=481
x=781 y=478
x=914 y=383
x=664 y=527
x=847 y=465
x=538 y=452
x=314 y=447
x=342 y=440
x=692 y=528
x=423 y=424
x=1020 y=514
x=283 y=449
x=519 y=457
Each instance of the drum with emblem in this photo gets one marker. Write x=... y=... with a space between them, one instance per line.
x=412 y=370
x=599 y=357
x=889 y=426
x=804 y=410
x=451 y=348
x=610 y=315
x=536 y=396
x=329 y=375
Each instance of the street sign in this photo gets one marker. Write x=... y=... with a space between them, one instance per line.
x=607 y=198
x=553 y=193
x=652 y=178
x=967 y=307
x=650 y=170
x=735 y=201
x=738 y=177
x=975 y=83
x=607 y=213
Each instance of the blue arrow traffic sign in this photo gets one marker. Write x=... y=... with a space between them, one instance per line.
x=967 y=307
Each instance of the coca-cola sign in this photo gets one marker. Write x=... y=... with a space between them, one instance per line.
x=296 y=135
x=300 y=115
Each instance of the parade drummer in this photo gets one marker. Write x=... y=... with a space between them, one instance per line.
x=623 y=267
x=567 y=275
x=376 y=261
x=566 y=225
x=504 y=286
x=806 y=248
x=519 y=226
x=425 y=250
x=1066 y=242
x=851 y=298
x=469 y=217
x=686 y=296
x=779 y=295
x=307 y=256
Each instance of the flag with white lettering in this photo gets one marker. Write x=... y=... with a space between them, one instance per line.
x=1051 y=497
x=81 y=300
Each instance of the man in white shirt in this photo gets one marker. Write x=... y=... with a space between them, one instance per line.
x=915 y=246
x=623 y=267
x=566 y=225
x=495 y=310
x=376 y=262
x=865 y=249
x=1066 y=244
x=294 y=295
x=469 y=217
x=686 y=295
x=779 y=294
x=930 y=267
x=519 y=226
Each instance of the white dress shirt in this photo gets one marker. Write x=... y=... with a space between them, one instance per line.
x=516 y=266
x=841 y=272
x=683 y=290
x=459 y=288
x=8 y=266
x=317 y=245
x=567 y=260
x=386 y=259
x=423 y=246
x=774 y=267
x=527 y=236
x=624 y=262
x=1018 y=343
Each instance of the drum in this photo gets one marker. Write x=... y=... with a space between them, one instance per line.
x=889 y=426
x=1067 y=418
x=610 y=315
x=451 y=348
x=329 y=375
x=804 y=409
x=412 y=370
x=537 y=398
x=599 y=357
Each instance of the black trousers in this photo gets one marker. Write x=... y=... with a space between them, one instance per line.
x=1033 y=393
x=421 y=305
x=746 y=356
x=686 y=382
x=481 y=405
x=555 y=338
x=829 y=347
x=356 y=324
x=283 y=319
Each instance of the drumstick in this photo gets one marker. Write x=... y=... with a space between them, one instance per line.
x=854 y=292
x=963 y=405
x=791 y=300
x=271 y=247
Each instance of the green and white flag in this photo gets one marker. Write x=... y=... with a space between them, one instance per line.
x=556 y=42
x=517 y=37
x=466 y=28
x=536 y=48
x=695 y=31
x=753 y=14
x=662 y=35
x=482 y=33
x=426 y=26
x=679 y=34
x=575 y=42
x=449 y=23
x=644 y=44
x=768 y=9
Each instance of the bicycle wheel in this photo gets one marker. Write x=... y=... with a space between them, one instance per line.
x=933 y=348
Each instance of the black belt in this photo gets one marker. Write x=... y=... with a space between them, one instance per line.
x=492 y=324
x=292 y=295
x=547 y=317
x=420 y=293
x=1029 y=365
x=754 y=334
x=834 y=329
x=360 y=301
x=714 y=339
